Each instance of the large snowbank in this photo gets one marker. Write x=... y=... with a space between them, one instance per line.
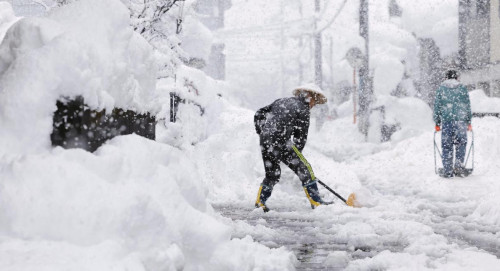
x=481 y=103
x=134 y=204
x=412 y=116
x=86 y=48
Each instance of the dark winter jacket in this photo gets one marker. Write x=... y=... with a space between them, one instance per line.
x=452 y=103
x=283 y=119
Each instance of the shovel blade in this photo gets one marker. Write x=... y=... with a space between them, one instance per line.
x=351 y=201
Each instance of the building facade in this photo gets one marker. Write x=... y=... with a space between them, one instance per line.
x=212 y=12
x=479 y=48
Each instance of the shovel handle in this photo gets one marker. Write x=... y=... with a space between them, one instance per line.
x=331 y=190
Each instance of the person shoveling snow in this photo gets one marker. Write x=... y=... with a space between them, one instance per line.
x=283 y=127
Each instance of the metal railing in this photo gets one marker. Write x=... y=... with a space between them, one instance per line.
x=485 y=114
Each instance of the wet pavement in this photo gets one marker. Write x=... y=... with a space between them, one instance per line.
x=312 y=238
x=307 y=236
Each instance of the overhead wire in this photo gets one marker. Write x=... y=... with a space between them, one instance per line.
x=246 y=33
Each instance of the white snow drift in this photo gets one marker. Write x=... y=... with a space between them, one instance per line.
x=134 y=204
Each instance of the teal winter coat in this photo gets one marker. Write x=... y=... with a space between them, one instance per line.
x=452 y=103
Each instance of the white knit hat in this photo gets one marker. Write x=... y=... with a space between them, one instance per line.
x=319 y=96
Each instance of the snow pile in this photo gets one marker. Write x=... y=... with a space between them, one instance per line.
x=230 y=158
x=86 y=48
x=197 y=116
x=341 y=140
x=391 y=46
x=411 y=115
x=121 y=195
x=482 y=103
x=134 y=204
x=486 y=143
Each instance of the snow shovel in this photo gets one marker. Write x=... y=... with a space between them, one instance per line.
x=467 y=171
x=351 y=200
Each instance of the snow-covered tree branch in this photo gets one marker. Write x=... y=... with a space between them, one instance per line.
x=158 y=22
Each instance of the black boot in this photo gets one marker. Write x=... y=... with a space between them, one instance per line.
x=312 y=194
x=264 y=193
x=459 y=171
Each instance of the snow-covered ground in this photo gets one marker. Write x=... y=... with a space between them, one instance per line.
x=137 y=204
x=411 y=219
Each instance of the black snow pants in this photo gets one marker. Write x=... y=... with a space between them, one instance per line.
x=275 y=151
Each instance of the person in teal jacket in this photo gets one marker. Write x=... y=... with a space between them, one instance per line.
x=452 y=115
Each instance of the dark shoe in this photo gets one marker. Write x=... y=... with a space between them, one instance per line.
x=312 y=193
x=262 y=196
x=443 y=174
x=460 y=172
x=263 y=206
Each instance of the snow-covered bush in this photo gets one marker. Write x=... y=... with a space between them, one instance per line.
x=157 y=21
x=162 y=23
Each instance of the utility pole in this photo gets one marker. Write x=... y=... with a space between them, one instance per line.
x=282 y=47
x=301 y=44
x=330 y=64
x=318 y=74
x=366 y=86
x=462 y=33
x=354 y=90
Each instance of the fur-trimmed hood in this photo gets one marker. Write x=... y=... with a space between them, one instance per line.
x=319 y=96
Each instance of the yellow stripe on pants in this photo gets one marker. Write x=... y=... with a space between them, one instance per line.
x=258 y=197
x=303 y=159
